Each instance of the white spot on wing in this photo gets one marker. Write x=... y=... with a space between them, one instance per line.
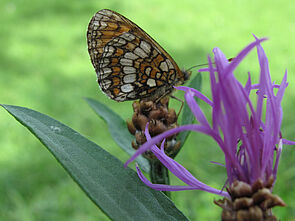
x=94 y=27
x=131 y=94
x=104 y=62
x=118 y=42
x=106 y=71
x=126 y=88
x=145 y=46
x=130 y=55
x=103 y=25
x=126 y=62
x=129 y=78
x=129 y=70
x=120 y=97
x=103 y=73
x=170 y=65
x=148 y=70
x=95 y=51
x=127 y=36
x=106 y=12
x=151 y=82
x=108 y=51
x=105 y=84
x=164 y=66
x=138 y=51
x=98 y=16
x=95 y=23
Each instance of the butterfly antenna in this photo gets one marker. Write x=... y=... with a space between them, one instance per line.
x=200 y=65
x=195 y=66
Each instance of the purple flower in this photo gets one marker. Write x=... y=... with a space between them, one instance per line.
x=250 y=140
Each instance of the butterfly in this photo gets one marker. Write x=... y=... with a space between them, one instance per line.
x=129 y=64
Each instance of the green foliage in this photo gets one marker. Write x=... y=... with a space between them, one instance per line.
x=116 y=190
x=44 y=65
x=118 y=130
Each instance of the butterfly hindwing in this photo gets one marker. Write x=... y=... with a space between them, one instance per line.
x=129 y=64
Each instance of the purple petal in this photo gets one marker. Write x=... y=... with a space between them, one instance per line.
x=196 y=93
x=162 y=187
x=216 y=163
x=177 y=169
x=247 y=138
x=156 y=140
x=288 y=142
x=235 y=62
x=189 y=97
x=282 y=88
x=248 y=84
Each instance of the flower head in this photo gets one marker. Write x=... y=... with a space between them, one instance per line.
x=249 y=138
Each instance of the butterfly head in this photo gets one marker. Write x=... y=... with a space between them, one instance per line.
x=185 y=76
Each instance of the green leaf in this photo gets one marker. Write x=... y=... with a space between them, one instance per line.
x=118 y=130
x=187 y=116
x=116 y=190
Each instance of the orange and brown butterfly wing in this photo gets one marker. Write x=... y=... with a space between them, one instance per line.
x=129 y=64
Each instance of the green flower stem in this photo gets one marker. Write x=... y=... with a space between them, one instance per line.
x=159 y=174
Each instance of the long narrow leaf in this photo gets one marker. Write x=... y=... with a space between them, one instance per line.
x=116 y=190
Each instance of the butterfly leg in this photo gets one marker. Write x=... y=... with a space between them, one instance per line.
x=182 y=103
x=172 y=96
x=162 y=96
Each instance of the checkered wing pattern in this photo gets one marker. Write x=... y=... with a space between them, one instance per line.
x=129 y=64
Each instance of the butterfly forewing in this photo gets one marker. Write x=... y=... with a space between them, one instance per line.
x=129 y=64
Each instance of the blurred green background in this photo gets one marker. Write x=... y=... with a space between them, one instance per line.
x=44 y=65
